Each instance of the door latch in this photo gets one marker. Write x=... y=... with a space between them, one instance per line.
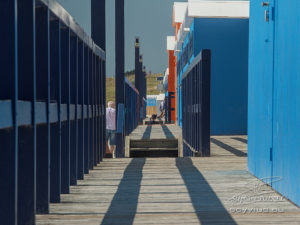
x=271 y=154
x=267 y=15
x=267 y=12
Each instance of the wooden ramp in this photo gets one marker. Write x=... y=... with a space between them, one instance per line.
x=154 y=141
x=208 y=191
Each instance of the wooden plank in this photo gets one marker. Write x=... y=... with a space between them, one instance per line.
x=156 y=132
x=127 y=147
x=173 y=191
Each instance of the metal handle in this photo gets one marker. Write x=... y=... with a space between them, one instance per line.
x=263 y=4
x=267 y=15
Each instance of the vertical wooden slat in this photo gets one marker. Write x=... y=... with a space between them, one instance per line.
x=55 y=93
x=65 y=99
x=43 y=96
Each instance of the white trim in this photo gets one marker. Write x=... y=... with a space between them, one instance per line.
x=218 y=9
x=210 y=9
x=167 y=72
x=186 y=29
x=170 y=43
x=159 y=97
x=179 y=9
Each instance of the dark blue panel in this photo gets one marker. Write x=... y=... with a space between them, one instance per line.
x=73 y=153
x=90 y=112
x=43 y=96
x=98 y=108
x=43 y=172
x=196 y=106
x=42 y=54
x=137 y=67
x=101 y=106
x=74 y=69
x=80 y=168
x=55 y=93
x=8 y=91
x=55 y=163
x=26 y=42
x=74 y=102
x=94 y=110
x=42 y=74
x=228 y=41
x=65 y=65
x=132 y=109
x=86 y=75
x=27 y=147
x=8 y=53
x=96 y=99
x=65 y=99
x=65 y=158
x=7 y=174
x=98 y=22
x=120 y=61
x=86 y=102
x=80 y=73
x=55 y=59
x=26 y=178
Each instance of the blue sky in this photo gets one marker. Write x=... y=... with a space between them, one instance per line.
x=151 y=20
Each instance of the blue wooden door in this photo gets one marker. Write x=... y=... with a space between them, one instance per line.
x=286 y=166
x=260 y=98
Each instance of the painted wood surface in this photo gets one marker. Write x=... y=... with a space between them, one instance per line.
x=156 y=132
x=210 y=190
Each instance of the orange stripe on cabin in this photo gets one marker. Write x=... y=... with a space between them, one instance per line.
x=171 y=82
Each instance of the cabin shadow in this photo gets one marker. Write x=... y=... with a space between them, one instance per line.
x=147 y=133
x=207 y=205
x=228 y=148
x=167 y=132
x=123 y=206
x=243 y=140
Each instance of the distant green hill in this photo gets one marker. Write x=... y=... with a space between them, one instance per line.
x=151 y=85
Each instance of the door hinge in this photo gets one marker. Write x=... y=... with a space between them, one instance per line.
x=273 y=13
x=271 y=154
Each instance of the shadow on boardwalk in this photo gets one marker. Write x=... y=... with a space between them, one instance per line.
x=123 y=206
x=147 y=133
x=207 y=205
x=167 y=132
x=229 y=148
x=243 y=140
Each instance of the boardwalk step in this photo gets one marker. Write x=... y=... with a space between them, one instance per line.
x=155 y=122
x=148 y=152
x=153 y=149
x=154 y=143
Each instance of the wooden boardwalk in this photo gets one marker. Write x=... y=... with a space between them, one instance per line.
x=156 y=132
x=216 y=190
